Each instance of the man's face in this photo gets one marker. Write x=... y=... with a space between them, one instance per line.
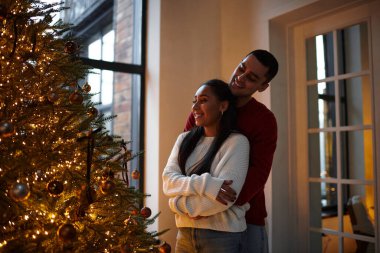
x=248 y=77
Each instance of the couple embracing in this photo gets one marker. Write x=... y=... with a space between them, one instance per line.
x=217 y=170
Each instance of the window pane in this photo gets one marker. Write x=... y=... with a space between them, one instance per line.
x=320 y=57
x=354 y=246
x=107 y=87
x=323 y=243
x=360 y=209
x=94 y=79
x=95 y=50
x=108 y=46
x=355 y=106
x=323 y=205
x=321 y=105
x=353 y=48
x=128 y=31
x=322 y=155
x=357 y=155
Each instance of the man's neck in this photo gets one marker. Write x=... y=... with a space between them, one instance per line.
x=242 y=101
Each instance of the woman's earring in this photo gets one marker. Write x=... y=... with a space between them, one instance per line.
x=222 y=113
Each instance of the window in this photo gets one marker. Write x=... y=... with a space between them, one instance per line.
x=111 y=36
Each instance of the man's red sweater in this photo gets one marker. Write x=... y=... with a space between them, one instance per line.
x=259 y=125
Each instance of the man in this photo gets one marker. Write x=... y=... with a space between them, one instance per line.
x=259 y=125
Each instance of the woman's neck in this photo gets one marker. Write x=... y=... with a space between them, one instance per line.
x=210 y=131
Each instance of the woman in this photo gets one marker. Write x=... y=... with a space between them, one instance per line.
x=203 y=162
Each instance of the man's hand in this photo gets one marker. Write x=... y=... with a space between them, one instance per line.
x=226 y=193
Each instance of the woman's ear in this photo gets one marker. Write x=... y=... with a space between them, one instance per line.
x=224 y=106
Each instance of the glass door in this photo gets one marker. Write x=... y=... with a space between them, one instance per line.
x=340 y=141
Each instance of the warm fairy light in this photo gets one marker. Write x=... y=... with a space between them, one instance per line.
x=26 y=217
x=3 y=243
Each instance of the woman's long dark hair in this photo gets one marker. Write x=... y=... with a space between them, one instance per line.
x=227 y=125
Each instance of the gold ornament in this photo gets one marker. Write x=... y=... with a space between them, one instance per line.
x=67 y=233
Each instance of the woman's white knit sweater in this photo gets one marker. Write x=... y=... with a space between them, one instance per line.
x=193 y=196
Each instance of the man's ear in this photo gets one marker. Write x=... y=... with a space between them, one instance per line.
x=263 y=87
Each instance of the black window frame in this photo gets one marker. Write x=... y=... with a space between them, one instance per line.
x=101 y=14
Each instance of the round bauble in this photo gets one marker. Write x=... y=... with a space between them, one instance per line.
x=92 y=112
x=19 y=192
x=6 y=129
x=71 y=47
x=135 y=174
x=165 y=248
x=126 y=248
x=145 y=212
x=76 y=98
x=67 y=232
x=55 y=188
x=86 y=88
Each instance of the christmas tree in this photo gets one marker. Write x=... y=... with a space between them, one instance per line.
x=63 y=178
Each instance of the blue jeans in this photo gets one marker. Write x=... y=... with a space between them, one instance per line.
x=197 y=240
x=257 y=239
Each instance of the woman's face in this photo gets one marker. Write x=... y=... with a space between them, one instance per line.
x=207 y=110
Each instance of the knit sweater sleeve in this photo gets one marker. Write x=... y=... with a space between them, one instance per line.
x=231 y=164
x=177 y=184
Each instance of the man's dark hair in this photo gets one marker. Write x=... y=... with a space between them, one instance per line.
x=227 y=126
x=268 y=60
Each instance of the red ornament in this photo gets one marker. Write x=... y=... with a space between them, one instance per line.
x=165 y=248
x=55 y=188
x=134 y=212
x=136 y=174
x=145 y=212
x=71 y=47
x=86 y=87
x=76 y=98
